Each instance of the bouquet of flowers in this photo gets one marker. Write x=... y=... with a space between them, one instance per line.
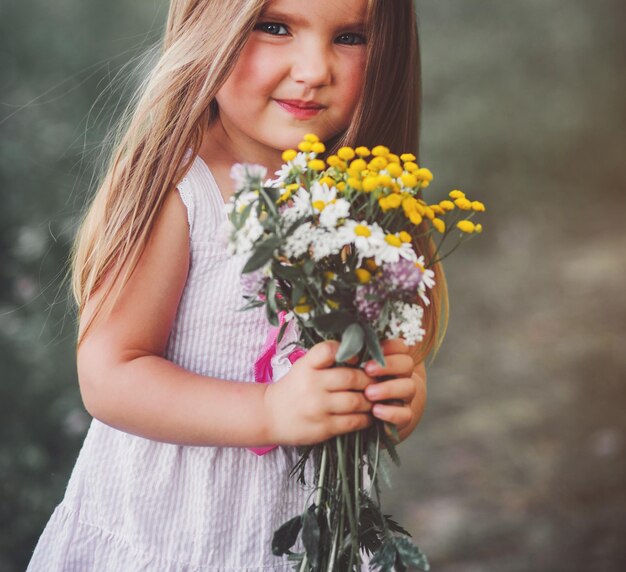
x=333 y=255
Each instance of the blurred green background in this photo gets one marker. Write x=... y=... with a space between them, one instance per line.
x=519 y=463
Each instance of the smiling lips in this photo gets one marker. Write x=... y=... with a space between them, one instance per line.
x=300 y=109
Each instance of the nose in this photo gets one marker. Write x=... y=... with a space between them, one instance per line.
x=311 y=65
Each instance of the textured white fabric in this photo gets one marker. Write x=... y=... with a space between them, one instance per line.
x=134 y=504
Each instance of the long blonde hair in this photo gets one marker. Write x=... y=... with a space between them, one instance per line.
x=177 y=102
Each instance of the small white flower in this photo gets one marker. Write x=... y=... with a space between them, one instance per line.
x=246 y=236
x=428 y=280
x=247 y=174
x=331 y=214
x=301 y=206
x=299 y=241
x=327 y=242
x=406 y=323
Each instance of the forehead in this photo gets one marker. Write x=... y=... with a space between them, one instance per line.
x=330 y=12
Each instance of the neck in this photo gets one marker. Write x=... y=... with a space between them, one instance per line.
x=227 y=146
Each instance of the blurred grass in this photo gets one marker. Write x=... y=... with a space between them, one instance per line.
x=519 y=462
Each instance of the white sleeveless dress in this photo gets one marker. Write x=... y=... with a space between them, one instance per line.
x=133 y=504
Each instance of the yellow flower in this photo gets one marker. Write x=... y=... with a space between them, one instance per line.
x=332 y=304
x=362 y=230
x=355 y=183
x=311 y=138
x=410 y=167
x=285 y=196
x=385 y=180
x=318 y=147
x=456 y=194
x=478 y=206
x=346 y=153
x=334 y=161
x=415 y=218
x=380 y=151
x=437 y=209
x=409 y=180
x=362 y=151
x=302 y=309
x=439 y=225
x=404 y=236
x=358 y=165
x=409 y=204
x=424 y=175
x=370 y=184
x=289 y=155
x=316 y=165
x=429 y=213
x=407 y=157
x=393 y=240
x=447 y=205
x=341 y=186
x=327 y=181
x=466 y=226
x=394 y=170
x=305 y=146
x=377 y=164
x=479 y=228
x=383 y=202
x=394 y=200
x=393 y=158
x=363 y=275
x=463 y=204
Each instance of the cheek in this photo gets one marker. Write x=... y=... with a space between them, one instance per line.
x=353 y=77
x=256 y=71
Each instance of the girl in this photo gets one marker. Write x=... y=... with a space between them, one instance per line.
x=163 y=481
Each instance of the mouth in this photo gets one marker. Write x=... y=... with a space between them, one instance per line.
x=300 y=109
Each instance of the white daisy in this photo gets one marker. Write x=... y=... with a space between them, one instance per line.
x=367 y=238
x=392 y=252
x=300 y=206
x=428 y=280
x=293 y=167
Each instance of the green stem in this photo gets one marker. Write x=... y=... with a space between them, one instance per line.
x=346 y=489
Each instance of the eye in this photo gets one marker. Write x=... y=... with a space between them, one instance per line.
x=272 y=28
x=351 y=39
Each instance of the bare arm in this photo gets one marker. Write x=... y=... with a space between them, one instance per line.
x=127 y=384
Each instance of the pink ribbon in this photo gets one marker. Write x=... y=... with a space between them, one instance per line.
x=263 y=371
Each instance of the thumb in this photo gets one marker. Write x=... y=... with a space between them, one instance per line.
x=322 y=354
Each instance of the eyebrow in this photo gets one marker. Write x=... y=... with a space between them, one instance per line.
x=274 y=14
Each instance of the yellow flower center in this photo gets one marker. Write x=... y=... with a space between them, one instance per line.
x=362 y=230
x=393 y=240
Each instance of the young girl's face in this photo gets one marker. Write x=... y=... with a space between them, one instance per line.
x=300 y=71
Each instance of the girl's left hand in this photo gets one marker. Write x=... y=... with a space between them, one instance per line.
x=405 y=383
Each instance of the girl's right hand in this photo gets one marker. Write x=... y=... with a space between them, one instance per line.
x=315 y=401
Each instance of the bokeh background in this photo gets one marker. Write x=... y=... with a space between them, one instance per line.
x=519 y=463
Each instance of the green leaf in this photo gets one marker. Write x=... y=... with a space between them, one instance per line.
x=270 y=295
x=394 y=526
x=311 y=537
x=241 y=219
x=264 y=252
x=285 y=537
x=297 y=293
x=251 y=304
x=334 y=321
x=389 y=444
x=385 y=556
x=289 y=273
x=281 y=332
x=351 y=343
x=410 y=554
x=373 y=344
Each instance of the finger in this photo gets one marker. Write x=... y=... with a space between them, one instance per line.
x=399 y=415
x=346 y=402
x=400 y=388
x=395 y=346
x=322 y=355
x=399 y=365
x=345 y=379
x=341 y=424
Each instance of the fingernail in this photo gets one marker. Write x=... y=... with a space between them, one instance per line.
x=372 y=391
x=371 y=367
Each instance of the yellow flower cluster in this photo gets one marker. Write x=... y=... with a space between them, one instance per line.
x=394 y=181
